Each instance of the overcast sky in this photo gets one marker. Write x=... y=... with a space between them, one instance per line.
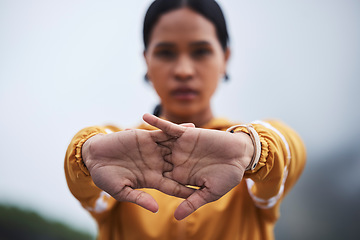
x=65 y=65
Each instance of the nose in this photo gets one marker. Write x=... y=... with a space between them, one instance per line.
x=184 y=69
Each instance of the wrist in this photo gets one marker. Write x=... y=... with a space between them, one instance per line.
x=86 y=150
x=245 y=148
x=254 y=144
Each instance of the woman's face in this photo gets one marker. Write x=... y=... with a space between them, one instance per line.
x=185 y=62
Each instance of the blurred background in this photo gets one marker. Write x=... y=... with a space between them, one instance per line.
x=65 y=65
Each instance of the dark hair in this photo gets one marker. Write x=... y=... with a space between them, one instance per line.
x=207 y=8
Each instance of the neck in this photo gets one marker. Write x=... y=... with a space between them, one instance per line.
x=199 y=119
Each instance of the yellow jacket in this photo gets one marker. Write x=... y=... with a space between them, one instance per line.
x=248 y=211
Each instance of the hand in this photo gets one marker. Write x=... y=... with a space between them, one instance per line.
x=213 y=160
x=121 y=162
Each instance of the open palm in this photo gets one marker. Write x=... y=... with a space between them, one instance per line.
x=120 y=163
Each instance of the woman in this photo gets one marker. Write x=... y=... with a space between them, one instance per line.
x=217 y=184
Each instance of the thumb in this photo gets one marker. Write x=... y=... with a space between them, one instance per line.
x=138 y=197
x=192 y=203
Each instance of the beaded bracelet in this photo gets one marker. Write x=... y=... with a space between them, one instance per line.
x=256 y=142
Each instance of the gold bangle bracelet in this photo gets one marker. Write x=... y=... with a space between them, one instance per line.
x=256 y=142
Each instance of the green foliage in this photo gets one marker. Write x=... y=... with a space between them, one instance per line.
x=16 y=223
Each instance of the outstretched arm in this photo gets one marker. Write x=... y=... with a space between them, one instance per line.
x=78 y=177
x=282 y=161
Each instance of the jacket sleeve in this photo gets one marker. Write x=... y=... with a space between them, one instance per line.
x=78 y=178
x=281 y=163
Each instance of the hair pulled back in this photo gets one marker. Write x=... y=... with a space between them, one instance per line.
x=207 y=8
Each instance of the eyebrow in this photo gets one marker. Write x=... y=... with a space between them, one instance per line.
x=200 y=43
x=164 y=44
x=193 y=44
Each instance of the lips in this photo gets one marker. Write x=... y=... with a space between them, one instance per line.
x=184 y=93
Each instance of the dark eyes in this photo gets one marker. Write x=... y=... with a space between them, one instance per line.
x=166 y=53
x=169 y=54
x=200 y=52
